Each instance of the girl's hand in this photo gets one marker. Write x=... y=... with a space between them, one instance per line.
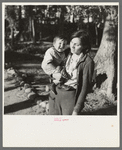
x=74 y=113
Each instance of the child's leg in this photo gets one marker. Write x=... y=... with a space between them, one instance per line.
x=55 y=80
x=53 y=109
x=53 y=88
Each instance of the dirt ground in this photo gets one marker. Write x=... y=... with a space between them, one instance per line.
x=16 y=101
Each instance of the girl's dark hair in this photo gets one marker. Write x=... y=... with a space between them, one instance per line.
x=83 y=35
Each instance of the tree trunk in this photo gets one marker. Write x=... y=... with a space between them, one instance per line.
x=105 y=58
x=96 y=30
x=61 y=21
x=20 y=20
x=30 y=28
x=20 y=24
x=80 y=23
x=12 y=37
x=33 y=32
x=30 y=23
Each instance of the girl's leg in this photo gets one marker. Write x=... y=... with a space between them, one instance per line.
x=68 y=106
x=65 y=101
x=68 y=103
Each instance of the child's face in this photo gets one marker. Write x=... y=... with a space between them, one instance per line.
x=60 y=45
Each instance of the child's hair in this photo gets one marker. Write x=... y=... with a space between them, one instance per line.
x=62 y=37
x=84 y=38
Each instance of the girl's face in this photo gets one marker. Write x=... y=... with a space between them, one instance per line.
x=75 y=46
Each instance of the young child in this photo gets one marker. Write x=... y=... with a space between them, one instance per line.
x=54 y=60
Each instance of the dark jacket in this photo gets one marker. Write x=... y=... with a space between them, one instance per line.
x=85 y=72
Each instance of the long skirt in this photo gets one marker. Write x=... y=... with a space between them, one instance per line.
x=63 y=103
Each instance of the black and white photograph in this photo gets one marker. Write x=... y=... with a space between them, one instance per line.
x=61 y=62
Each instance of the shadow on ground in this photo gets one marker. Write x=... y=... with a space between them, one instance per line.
x=104 y=111
x=21 y=105
x=10 y=88
x=11 y=56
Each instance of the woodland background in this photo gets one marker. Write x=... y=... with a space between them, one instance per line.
x=28 y=33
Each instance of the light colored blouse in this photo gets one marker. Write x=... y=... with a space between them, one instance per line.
x=71 y=68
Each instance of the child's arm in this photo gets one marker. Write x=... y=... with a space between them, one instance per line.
x=58 y=69
x=56 y=76
x=57 y=73
x=48 y=64
x=65 y=74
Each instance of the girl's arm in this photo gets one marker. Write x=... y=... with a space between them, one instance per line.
x=86 y=82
